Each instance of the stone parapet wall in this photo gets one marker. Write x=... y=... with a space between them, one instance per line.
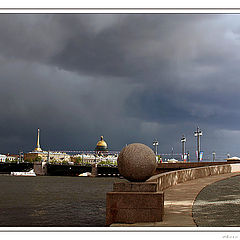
x=235 y=167
x=185 y=165
x=167 y=167
x=166 y=180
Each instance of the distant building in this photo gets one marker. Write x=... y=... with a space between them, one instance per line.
x=3 y=158
x=233 y=159
x=101 y=155
x=8 y=158
x=101 y=146
x=85 y=158
x=46 y=156
x=92 y=158
x=12 y=157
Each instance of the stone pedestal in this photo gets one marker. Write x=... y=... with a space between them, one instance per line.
x=40 y=168
x=94 y=172
x=134 y=203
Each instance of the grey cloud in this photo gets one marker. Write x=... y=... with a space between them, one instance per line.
x=129 y=77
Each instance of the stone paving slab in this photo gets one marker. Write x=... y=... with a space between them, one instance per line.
x=217 y=205
x=178 y=203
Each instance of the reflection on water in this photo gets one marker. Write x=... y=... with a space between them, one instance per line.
x=53 y=201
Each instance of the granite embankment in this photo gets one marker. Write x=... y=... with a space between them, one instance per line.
x=181 y=188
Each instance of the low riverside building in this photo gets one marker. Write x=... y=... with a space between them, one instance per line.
x=46 y=156
x=111 y=159
x=8 y=158
x=12 y=158
x=3 y=158
x=101 y=155
x=84 y=158
x=94 y=158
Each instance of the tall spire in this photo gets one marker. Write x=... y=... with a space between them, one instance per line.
x=38 y=145
x=38 y=148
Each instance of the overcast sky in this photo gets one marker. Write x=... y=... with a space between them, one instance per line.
x=128 y=77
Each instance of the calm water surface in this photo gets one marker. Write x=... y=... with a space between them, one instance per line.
x=53 y=201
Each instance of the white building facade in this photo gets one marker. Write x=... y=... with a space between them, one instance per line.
x=3 y=158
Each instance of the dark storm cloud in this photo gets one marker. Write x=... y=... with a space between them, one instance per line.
x=134 y=46
x=128 y=77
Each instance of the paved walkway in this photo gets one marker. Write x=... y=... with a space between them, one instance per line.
x=178 y=203
x=217 y=205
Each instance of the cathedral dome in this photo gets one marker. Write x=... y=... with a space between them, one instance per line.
x=101 y=145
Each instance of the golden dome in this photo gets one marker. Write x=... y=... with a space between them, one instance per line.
x=102 y=143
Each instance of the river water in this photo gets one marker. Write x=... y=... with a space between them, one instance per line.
x=52 y=201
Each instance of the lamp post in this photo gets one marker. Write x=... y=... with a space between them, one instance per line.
x=48 y=158
x=213 y=156
x=20 y=156
x=183 y=140
x=172 y=152
x=155 y=144
x=188 y=157
x=197 y=134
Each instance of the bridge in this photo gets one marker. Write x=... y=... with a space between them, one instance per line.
x=43 y=168
x=76 y=170
x=7 y=168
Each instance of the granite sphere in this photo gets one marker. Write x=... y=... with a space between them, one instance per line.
x=136 y=162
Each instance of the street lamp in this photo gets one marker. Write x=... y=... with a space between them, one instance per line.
x=155 y=144
x=183 y=140
x=48 y=157
x=197 y=134
x=20 y=157
x=188 y=157
x=213 y=156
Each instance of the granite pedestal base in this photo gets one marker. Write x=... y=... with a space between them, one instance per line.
x=142 y=204
x=94 y=171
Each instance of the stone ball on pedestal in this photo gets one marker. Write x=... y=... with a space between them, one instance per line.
x=136 y=162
